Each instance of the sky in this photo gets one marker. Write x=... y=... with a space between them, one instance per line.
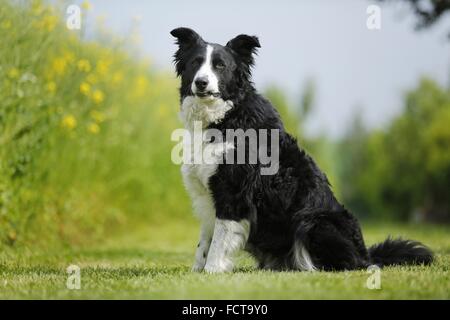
x=354 y=69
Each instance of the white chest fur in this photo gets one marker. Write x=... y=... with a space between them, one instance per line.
x=196 y=175
x=206 y=111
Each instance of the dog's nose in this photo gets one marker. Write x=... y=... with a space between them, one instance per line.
x=201 y=83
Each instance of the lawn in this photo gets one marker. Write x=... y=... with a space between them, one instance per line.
x=154 y=263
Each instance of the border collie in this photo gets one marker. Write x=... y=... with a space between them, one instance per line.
x=287 y=221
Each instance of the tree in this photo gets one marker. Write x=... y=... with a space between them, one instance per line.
x=427 y=12
x=404 y=170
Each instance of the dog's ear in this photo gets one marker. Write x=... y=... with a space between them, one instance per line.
x=185 y=37
x=245 y=47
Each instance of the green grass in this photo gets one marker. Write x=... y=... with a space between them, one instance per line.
x=154 y=263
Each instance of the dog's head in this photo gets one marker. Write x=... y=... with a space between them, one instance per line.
x=211 y=71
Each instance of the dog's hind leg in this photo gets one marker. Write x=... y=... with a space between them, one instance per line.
x=330 y=241
x=229 y=236
x=301 y=259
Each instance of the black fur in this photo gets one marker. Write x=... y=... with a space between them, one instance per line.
x=399 y=251
x=294 y=205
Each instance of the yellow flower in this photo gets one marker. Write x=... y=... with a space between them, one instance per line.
x=69 y=122
x=13 y=73
x=98 y=96
x=102 y=67
x=49 y=22
x=59 y=65
x=117 y=77
x=12 y=236
x=51 y=87
x=142 y=81
x=93 y=128
x=84 y=65
x=92 y=78
x=85 y=88
x=141 y=86
x=37 y=7
x=162 y=111
x=97 y=116
x=69 y=56
x=86 y=5
x=7 y=24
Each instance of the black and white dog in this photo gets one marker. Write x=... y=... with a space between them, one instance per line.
x=289 y=220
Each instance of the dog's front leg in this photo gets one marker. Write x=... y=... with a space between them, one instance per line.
x=229 y=236
x=206 y=234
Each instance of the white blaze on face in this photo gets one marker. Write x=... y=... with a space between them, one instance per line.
x=206 y=71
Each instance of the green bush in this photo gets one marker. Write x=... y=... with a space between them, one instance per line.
x=402 y=172
x=84 y=133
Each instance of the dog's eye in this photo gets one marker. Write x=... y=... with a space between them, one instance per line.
x=197 y=61
x=220 y=65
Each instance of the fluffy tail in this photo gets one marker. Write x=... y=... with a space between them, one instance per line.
x=400 y=252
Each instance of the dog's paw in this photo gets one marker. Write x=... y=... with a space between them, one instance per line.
x=218 y=268
x=198 y=267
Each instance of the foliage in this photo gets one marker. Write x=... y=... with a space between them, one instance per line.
x=404 y=169
x=84 y=132
x=427 y=12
